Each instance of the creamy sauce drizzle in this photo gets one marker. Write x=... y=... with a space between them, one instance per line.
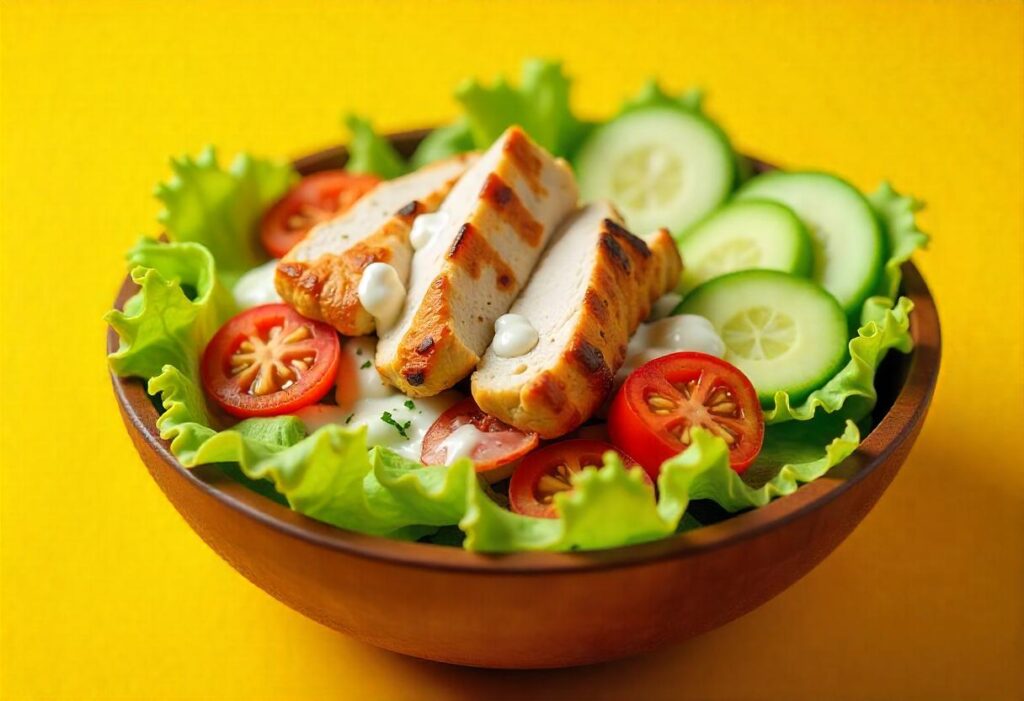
x=368 y=412
x=685 y=332
x=426 y=227
x=256 y=287
x=382 y=294
x=514 y=335
x=664 y=306
x=461 y=443
x=362 y=350
x=412 y=416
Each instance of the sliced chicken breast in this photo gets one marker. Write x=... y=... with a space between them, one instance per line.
x=320 y=276
x=588 y=295
x=491 y=231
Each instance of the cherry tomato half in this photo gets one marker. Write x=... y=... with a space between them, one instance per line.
x=315 y=198
x=659 y=403
x=270 y=360
x=548 y=471
x=493 y=452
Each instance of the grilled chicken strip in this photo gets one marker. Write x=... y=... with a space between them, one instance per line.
x=320 y=276
x=597 y=282
x=492 y=229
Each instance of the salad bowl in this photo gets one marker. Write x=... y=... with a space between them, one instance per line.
x=536 y=610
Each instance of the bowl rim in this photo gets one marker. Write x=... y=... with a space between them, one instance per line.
x=895 y=427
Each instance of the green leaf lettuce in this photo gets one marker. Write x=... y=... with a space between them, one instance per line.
x=221 y=209
x=368 y=152
x=540 y=104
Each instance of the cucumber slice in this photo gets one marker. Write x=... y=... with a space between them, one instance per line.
x=659 y=166
x=744 y=236
x=785 y=333
x=848 y=245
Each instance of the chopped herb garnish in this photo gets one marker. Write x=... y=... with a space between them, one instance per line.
x=409 y=405
x=365 y=365
x=359 y=351
x=387 y=418
x=349 y=418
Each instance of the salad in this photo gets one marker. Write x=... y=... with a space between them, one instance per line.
x=538 y=332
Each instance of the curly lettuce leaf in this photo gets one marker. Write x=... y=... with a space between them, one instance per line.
x=179 y=306
x=852 y=389
x=330 y=476
x=221 y=209
x=540 y=104
x=896 y=213
x=613 y=507
x=163 y=329
x=443 y=142
x=368 y=152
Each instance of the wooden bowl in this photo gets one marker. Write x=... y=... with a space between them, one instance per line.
x=529 y=610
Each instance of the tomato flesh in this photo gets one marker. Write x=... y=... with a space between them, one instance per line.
x=499 y=447
x=659 y=404
x=549 y=471
x=269 y=360
x=314 y=199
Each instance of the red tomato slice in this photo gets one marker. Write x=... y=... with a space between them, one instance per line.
x=270 y=360
x=548 y=471
x=652 y=415
x=315 y=198
x=502 y=445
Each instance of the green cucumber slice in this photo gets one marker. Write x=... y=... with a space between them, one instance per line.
x=743 y=236
x=849 y=248
x=661 y=167
x=785 y=333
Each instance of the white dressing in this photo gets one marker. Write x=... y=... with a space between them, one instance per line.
x=461 y=443
x=394 y=422
x=514 y=335
x=256 y=287
x=382 y=293
x=684 y=332
x=426 y=227
x=664 y=305
x=370 y=383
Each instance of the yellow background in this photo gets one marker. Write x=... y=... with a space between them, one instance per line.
x=106 y=593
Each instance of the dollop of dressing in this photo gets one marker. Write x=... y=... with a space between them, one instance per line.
x=425 y=227
x=256 y=287
x=382 y=293
x=684 y=332
x=461 y=443
x=514 y=335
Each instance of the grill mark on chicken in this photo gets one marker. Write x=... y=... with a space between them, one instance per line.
x=361 y=255
x=549 y=390
x=598 y=373
x=511 y=209
x=306 y=278
x=473 y=252
x=618 y=254
x=596 y=305
x=409 y=210
x=520 y=152
x=637 y=243
x=432 y=320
